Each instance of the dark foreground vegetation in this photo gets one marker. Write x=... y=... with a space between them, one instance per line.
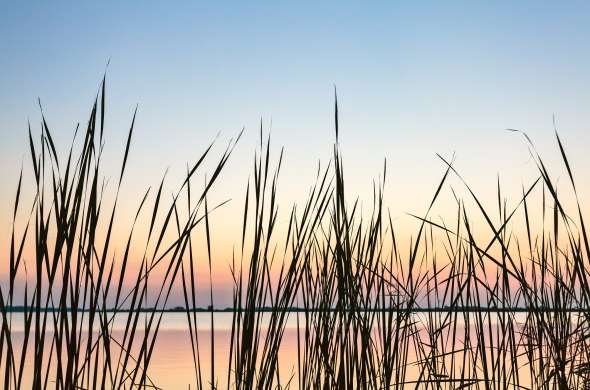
x=452 y=311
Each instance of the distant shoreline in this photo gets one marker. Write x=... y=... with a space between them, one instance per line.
x=22 y=309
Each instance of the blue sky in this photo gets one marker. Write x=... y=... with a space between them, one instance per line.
x=413 y=80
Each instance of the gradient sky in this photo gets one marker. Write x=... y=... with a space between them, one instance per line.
x=413 y=80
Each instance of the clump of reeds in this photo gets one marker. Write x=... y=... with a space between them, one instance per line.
x=77 y=290
x=459 y=308
x=499 y=313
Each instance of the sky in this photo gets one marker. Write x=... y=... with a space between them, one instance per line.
x=413 y=80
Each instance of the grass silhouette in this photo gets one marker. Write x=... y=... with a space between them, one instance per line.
x=510 y=312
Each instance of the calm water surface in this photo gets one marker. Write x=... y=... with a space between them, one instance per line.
x=172 y=366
